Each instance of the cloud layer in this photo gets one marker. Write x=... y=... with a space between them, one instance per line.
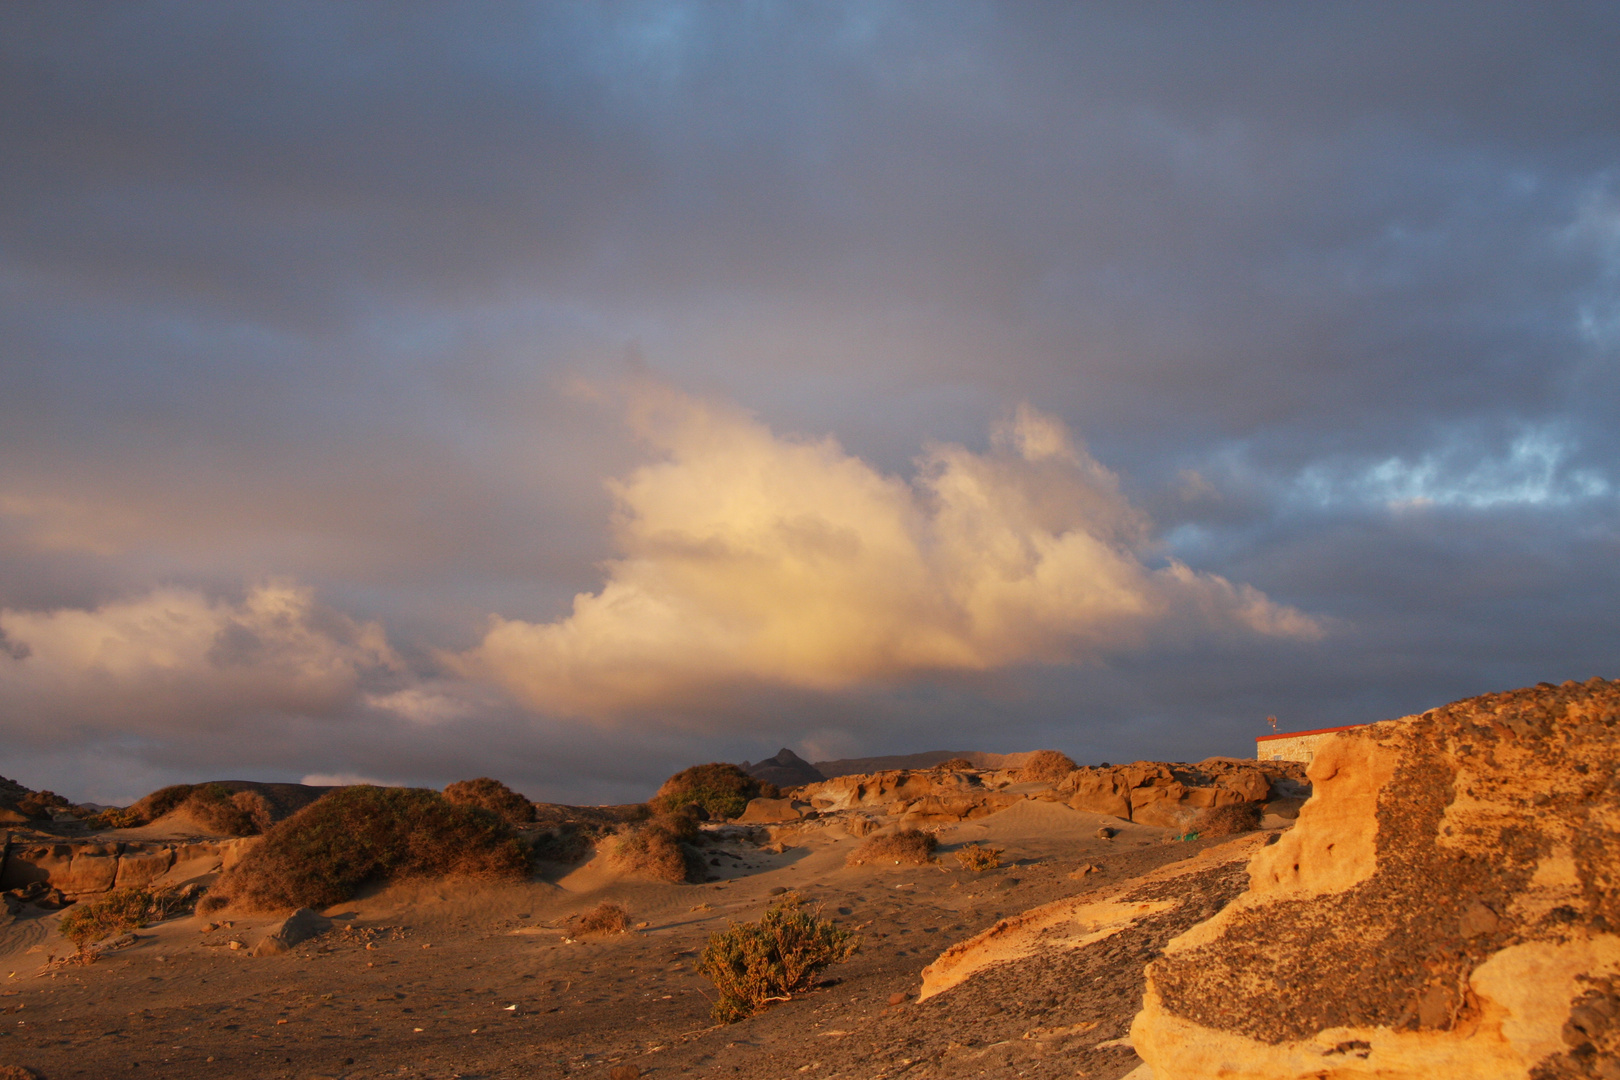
x=749 y=558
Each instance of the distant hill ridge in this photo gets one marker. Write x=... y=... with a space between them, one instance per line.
x=926 y=760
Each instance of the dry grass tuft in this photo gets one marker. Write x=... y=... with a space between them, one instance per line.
x=907 y=846
x=956 y=764
x=658 y=849
x=754 y=964
x=18 y=1072
x=494 y=796
x=722 y=790
x=320 y=855
x=1047 y=765
x=605 y=918
x=979 y=859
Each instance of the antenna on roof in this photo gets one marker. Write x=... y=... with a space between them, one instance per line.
x=1272 y=720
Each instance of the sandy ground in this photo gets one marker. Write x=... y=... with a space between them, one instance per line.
x=456 y=979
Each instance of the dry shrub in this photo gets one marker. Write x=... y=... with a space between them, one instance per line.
x=979 y=859
x=160 y=802
x=658 y=849
x=753 y=964
x=605 y=918
x=911 y=846
x=1228 y=820
x=352 y=835
x=113 y=818
x=956 y=764
x=246 y=813
x=493 y=796
x=18 y=1072
x=859 y=825
x=38 y=805
x=722 y=790
x=124 y=909
x=1047 y=765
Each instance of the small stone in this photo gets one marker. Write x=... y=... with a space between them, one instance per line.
x=899 y=997
x=1105 y=833
x=235 y=945
x=623 y=1072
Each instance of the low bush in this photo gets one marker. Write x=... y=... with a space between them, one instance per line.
x=352 y=835
x=89 y=922
x=114 y=818
x=722 y=790
x=1228 y=820
x=124 y=909
x=246 y=813
x=907 y=846
x=658 y=848
x=754 y=964
x=160 y=802
x=494 y=796
x=979 y=859
x=605 y=918
x=956 y=764
x=1047 y=765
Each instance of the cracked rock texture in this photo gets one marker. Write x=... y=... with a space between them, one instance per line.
x=1445 y=906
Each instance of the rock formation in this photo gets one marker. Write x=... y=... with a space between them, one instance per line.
x=1445 y=907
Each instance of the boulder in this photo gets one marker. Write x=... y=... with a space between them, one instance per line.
x=140 y=864
x=94 y=868
x=296 y=928
x=1445 y=906
x=772 y=811
x=1100 y=791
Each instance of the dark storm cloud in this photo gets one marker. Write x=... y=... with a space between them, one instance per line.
x=298 y=294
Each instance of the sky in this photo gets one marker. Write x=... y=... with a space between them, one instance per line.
x=570 y=393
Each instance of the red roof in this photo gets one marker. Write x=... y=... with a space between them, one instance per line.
x=1297 y=734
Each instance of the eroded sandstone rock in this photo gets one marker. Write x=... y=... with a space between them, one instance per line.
x=1445 y=906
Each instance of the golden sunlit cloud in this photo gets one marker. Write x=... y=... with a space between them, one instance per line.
x=754 y=558
x=172 y=656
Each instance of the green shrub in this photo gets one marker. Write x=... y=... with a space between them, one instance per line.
x=493 y=796
x=753 y=964
x=114 y=818
x=160 y=802
x=125 y=909
x=978 y=859
x=907 y=846
x=722 y=790
x=352 y=835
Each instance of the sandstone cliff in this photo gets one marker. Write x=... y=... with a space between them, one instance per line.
x=1446 y=906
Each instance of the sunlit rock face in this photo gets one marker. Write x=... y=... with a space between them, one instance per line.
x=1446 y=906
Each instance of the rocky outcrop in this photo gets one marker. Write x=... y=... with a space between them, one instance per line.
x=97 y=866
x=1445 y=906
x=920 y=797
x=1175 y=796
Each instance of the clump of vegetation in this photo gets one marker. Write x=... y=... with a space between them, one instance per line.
x=121 y=910
x=213 y=806
x=979 y=859
x=493 y=796
x=605 y=918
x=38 y=805
x=754 y=964
x=113 y=818
x=1047 y=765
x=352 y=835
x=659 y=848
x=906 y=846
x=722 y=790
x=1229 y=820
x=956 y=764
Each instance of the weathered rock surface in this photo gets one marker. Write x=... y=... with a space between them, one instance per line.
x=92 y=867
x=1445 y=906
x=773 y=811
x=1173 y=796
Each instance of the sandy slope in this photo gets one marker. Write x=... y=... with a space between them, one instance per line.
x=432 y=995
